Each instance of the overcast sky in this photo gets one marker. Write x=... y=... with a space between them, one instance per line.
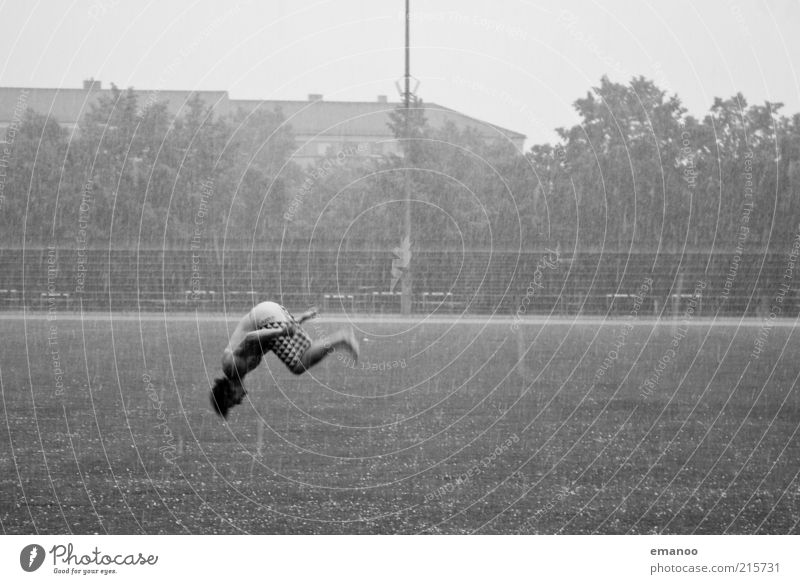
x=519 y=64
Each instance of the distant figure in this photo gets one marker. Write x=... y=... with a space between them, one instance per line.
x=270 y=327
x=400 y=262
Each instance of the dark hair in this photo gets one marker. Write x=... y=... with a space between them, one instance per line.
x=221 y=396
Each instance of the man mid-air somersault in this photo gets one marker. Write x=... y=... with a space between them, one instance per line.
x=270 y=327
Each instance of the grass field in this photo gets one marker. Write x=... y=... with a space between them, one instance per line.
x=452 y=427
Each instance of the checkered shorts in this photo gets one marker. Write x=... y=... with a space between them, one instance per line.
x=289 y=349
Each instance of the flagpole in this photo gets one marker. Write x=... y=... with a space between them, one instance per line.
x=406 y=288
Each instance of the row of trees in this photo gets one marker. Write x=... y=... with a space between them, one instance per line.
x=138 y=174
x=637 y=172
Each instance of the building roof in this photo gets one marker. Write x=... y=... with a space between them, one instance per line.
x=363 y=118
x=68 y=106
x=307 y=118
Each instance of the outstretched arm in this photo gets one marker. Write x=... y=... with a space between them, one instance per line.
x=307 y=315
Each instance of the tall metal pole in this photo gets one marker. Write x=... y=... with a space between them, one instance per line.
x=405 y=298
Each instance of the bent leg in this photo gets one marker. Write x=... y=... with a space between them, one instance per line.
x=321 y=348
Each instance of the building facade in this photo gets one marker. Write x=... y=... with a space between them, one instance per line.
x=321 y=128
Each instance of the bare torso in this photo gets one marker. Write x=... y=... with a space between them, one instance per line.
x=240 y=356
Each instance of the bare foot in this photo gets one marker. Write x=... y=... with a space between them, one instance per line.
x=352 y=343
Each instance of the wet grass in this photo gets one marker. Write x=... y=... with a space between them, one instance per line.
x=450 y=428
